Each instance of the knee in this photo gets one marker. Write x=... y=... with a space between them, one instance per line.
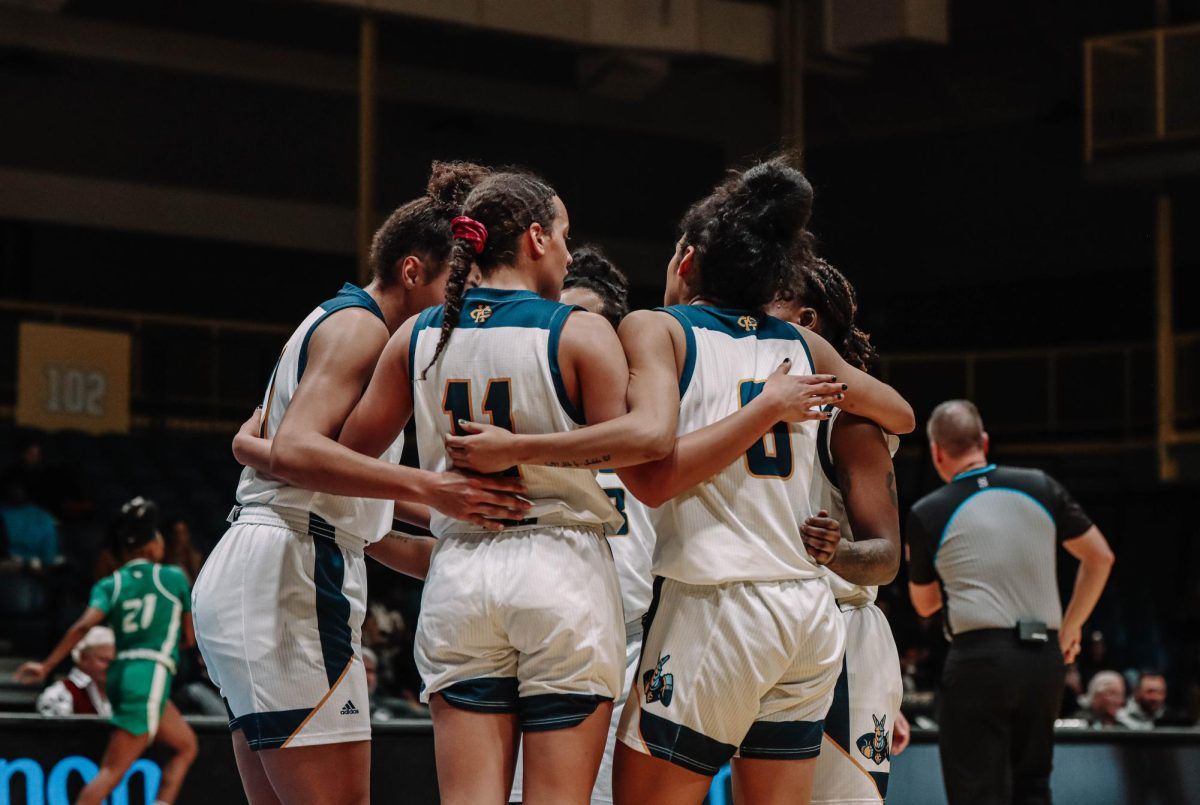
x=188 y=749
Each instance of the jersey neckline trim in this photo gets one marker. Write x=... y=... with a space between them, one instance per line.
x=973 y=473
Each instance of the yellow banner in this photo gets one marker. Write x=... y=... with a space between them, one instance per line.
x=71 y=378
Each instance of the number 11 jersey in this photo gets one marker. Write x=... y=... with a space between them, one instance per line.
x=501 y=367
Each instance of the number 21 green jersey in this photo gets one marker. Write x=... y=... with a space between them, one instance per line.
x=145 y=603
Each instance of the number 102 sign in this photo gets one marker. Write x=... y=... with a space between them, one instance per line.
x=73 y=378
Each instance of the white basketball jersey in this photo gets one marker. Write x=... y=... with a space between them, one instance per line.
x=501 y=367
x=828 y=496
x=743 y=524
x=365 y=518
x=632 y=547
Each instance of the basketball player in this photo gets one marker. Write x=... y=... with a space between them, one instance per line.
x=743 y=642
x=597 y=286
x=280 y=602
x=856 y=482
x=147 y=605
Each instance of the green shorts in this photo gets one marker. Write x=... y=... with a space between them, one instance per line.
x=138 y=691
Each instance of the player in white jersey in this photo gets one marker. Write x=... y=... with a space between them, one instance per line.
x=744 y=642
x=855 y=481
x=280 y=602
x=597 y=286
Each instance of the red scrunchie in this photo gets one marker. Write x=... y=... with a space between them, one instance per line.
x=470 y=230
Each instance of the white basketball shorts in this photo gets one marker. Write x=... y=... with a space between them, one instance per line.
x=856 y=748
x=602 y=790
x=278 y=609
x=743 y=668
x=524 y=621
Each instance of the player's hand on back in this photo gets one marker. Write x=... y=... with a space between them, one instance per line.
x=799 y=398
x=821 y=536
x=30 y=673
x=479 y=499
x=485 y=448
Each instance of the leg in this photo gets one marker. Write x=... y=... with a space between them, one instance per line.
x=1033 y=728
x=640 y=779
x=773 y=782
x=123 y=748
x=476 y=754
x=321 y=774
x=561 y=765
x=175 y=733
x=974 y=731
x=254 y=777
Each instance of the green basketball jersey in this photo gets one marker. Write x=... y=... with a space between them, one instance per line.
x=145 y=603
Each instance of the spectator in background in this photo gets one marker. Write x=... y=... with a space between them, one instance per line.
x=54 y=488
x=371 y=666
x=200 y=696
x=1103 y=701
x=82 y=693
x=31 y=530
x=1148 y=705
x=180 y=550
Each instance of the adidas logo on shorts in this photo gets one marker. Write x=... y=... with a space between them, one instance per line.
x=348 y=709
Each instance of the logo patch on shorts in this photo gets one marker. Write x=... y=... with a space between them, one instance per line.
x=348 y=709
x=659 y=686
x=876 y=746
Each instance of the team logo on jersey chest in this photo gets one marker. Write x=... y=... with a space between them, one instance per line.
x=876 y=746
x=748 y=323
x=481 y=313
x=659 y=686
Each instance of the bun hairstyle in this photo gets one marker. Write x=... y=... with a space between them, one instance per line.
x=136 y=525
x=422 y=226
x=593 y=271
x=506 y=203
x=749 y=234
x=825 y=289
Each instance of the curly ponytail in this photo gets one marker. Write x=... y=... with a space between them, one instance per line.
x=507 y=204
x=749 y=233
x=826 y=290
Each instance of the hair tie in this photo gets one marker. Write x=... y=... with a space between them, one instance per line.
x=470 y=230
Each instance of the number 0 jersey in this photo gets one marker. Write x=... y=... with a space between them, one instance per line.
x=366 y=518
x=501 y=367
x=144 y=603
x=743 y=524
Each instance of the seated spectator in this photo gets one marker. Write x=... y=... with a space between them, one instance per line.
x=54 y=488
x=371 y=665
x=1103 y=701
x=1146 y=708
x=32 y=532
x=180 y=550
x=82 y=692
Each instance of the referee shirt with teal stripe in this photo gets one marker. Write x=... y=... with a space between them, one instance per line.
x=990 y=538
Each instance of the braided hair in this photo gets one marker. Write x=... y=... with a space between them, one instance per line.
x=825 y=289
x=507 y=203
x=592 y=270
x=422 y=226
x=749 y=234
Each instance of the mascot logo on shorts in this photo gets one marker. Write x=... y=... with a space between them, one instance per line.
x=876 y=746
x=748 y=323
x=481 y=313
x=659 y=686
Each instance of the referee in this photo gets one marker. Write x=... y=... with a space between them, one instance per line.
x=985 y=546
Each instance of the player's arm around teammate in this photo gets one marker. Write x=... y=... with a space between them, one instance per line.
x=404 y=553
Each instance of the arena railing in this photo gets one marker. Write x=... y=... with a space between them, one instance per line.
x=1140 y=88
x=192 y=372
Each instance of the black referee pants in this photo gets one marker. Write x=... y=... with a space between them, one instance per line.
x=999 y=700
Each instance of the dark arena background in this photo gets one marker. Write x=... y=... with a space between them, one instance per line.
x=1013 y=187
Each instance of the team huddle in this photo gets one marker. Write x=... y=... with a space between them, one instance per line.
x=657 y=534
